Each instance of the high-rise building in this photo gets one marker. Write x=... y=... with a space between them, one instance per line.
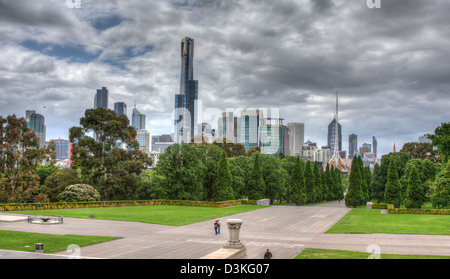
x=296 y=138
x=363 y=150
x=62 y=149
x=143 y=137
x=251 y=121
x=120 y=108
x=308 y=150
x=138 y=120
x=335 y=141
x=274 y=137
x=186 y=101
x=331 y=136
x=101 y=98
x=36 y=123
x=368 y=145
x=322 y=156
x=352 y=146
x=229 y=127
x=375 y=146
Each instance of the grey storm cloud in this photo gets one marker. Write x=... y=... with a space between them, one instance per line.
x=388 y=64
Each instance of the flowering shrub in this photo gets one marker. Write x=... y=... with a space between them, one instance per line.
x=79 y=192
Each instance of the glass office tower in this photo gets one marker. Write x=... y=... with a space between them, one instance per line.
x=251 y=120
x=36 y=123
x=186 y=101
x=101 y=98
x=120 y=108
x=138 y=120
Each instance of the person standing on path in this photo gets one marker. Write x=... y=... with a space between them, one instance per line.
x=217 y=226
x=267 y=255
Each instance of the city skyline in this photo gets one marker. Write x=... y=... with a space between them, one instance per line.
x=390 y=72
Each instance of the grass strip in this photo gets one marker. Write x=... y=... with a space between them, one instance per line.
x=25 y=241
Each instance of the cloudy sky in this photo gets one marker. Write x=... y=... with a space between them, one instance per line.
x=390 y=65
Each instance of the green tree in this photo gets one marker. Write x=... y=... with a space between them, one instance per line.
x=58 y=181
x=182 y=171
x=440 y=196
x=317 y=183
x=423 y=150
x=364 y=180
x=112 y=169
x=392 y=194
x=339 y=187
x=19 y=157
x=209 y=157
x=441 y=139
x=274 y=177
x=240 y=167
x=256 y=185
x=414 y=194
x=354 y=196
x=310 y=183
x=298 y=191
x=151 y=186
x=329 y=183
x=44 y=171
x=222 y=189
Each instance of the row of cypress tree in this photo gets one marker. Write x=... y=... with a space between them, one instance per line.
x=308 y=184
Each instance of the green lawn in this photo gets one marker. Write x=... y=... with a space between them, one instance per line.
x=361 y=220
x=310 y=253
x=161 y=214
x=24 y=241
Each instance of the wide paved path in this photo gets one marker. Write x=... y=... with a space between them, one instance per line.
x=285 y=230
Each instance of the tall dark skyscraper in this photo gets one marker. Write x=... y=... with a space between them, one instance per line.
x=101 y=98
x=332 y=135
x=352 y=145
x=120 y=108
x=36 y=123
x=375 y=146
x=186 y=101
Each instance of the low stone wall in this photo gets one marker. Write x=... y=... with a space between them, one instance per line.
x=225 y=253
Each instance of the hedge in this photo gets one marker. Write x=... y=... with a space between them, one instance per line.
x=382 y=206
x=419 y=211
x=96 y=204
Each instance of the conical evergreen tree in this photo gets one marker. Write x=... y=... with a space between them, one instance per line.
x=309 y=183
x=298 y=193
x=393 y=194
x=330 y=183
x=256 y=185
x=317 y=182
x=354 y=196
x=324 y=185
x=414 y=193
x=222 y=187
x=364 y=185
x=340 y=190
x=368 y=176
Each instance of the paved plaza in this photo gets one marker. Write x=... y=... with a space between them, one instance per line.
x=285 y=230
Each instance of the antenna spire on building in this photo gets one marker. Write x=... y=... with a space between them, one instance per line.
x=336 y=159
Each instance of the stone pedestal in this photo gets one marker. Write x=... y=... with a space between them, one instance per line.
x=234 y=226
x=369 y=205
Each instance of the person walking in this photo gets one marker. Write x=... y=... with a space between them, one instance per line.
x=217 y=226
x=267 y=255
